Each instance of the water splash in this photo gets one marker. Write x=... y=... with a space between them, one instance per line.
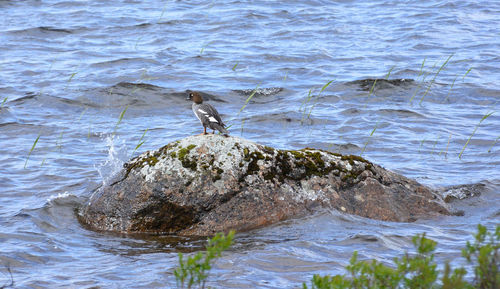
x=51 y=198
x=117 y=155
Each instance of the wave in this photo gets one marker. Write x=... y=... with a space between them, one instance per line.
x=402 y=112
x=367 y=84
x=125 y=60
x=34 y=31
x=259 y=91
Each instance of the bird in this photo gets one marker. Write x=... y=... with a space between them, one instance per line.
x=207 y=114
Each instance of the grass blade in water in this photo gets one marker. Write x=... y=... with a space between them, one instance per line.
x=494 y=143
x=317 y=97
x=389 y=73
x=447 y=146
x=31 y=150
x=463 y=78
x=204 y=46
x=3 y=102
x=453 y=83
x=325 y=86
x=304 y=104
x=475 y=129
x=306 y=100
x=434 y=79
x=234 y=67
x=140 y=142
x=249 y=98
x=81 y=114
x=422 y=67
x=366 y=143
x=373 y=87
x=70 y=78
x=120 y=119
x=309 y=97
x=421 y=81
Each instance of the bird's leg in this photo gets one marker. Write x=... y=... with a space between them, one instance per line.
x=204 y=131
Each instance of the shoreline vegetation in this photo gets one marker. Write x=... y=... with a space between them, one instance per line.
x=412 y=270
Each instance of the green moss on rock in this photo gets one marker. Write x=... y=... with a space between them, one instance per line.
x=285 y=164
x=186 y=162
x=218 y=174
x=252 y=159
x=352 y=158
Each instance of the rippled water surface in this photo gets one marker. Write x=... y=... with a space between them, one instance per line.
x=83 y=83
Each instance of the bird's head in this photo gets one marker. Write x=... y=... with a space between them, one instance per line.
x=195 y=97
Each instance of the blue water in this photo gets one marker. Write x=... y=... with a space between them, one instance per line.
x=70 y=69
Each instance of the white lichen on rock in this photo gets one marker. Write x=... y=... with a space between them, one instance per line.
x=209 y=183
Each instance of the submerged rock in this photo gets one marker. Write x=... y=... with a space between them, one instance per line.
x=201 y=185
x=461 y=192
x=381 y=83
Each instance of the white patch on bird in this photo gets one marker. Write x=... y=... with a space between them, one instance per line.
x=212 y=119
x=202 y=111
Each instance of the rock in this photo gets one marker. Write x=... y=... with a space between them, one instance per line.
x=201 y=185
x=461 y=192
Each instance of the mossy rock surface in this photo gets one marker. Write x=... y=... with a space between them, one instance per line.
x=206 y=184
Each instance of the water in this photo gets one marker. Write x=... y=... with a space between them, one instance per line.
x=68 y=69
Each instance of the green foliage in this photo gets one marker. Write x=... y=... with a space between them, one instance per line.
x=329 y=282
x=455 y=280
x=194 y=271
x=373 y=274
x=420 y=270
x=485 y=252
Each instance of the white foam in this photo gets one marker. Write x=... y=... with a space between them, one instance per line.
x=58 y=196
x=113 y=164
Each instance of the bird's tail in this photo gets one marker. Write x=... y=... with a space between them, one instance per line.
x=220 y=128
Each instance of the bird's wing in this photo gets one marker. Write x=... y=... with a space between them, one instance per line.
x=208 y=114
x=213 y=113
